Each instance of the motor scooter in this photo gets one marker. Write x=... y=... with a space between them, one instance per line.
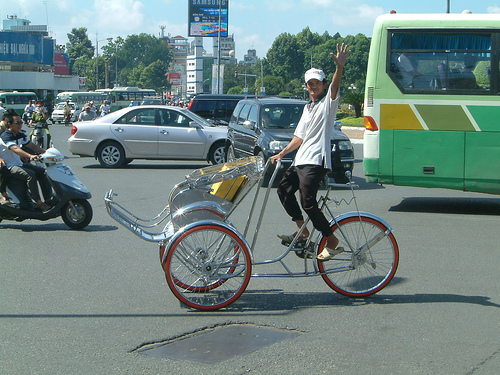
x=27 y=118
x=40 y=135
x=69 y=199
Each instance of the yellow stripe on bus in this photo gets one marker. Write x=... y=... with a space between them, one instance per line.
x=398 y=116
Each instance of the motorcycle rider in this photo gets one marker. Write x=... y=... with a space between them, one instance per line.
x=87 y=114
x=67 y=113
x=28 y=111
x=40 y=116
x=105 y=108
x=11 y=152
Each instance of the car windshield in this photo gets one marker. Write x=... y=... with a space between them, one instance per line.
x=283 y=116
x=200 y=120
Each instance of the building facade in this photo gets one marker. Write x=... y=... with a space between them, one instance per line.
x=28 y=60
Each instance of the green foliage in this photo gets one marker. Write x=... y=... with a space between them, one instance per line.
x=354 y=98
x=290 y=56
x=235 y=90
x=79 y=46
x=142 y=60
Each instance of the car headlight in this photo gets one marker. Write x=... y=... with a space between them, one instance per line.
x=345 y=145
x=278 y=145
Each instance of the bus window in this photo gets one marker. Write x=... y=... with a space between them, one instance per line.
x=439 y=60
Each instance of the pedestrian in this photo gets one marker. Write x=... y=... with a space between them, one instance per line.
x=312 y=138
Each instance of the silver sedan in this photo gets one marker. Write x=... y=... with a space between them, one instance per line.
x=148 y=132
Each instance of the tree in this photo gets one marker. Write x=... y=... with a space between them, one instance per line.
x=283 y=59
x=141 y=49
x=79 y=45
x=154 y=76
x=354 y=98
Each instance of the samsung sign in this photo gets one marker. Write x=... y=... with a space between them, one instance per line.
x=26 y=47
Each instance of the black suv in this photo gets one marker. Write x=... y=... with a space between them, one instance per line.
x=265 y=126
x=215 y=108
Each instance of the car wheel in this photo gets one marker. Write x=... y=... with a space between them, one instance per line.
x=217 y=153
x=111 y=155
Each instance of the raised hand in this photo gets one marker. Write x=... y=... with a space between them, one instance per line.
x=342 y=53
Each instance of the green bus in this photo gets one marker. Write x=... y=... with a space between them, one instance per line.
x=82 y=97
x=432 y=102
x=16 y=100
x=121 y=97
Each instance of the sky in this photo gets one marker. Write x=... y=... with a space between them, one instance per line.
x=255 y=24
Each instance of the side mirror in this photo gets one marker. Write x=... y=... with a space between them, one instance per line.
x=249 y=125
x=194 y=124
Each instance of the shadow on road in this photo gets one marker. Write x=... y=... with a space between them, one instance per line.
x=150 y=166
x=52 y=227
x=277 y=302
x=464 y=206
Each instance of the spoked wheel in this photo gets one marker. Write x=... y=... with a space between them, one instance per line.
x=369 y=260
x=208 y=267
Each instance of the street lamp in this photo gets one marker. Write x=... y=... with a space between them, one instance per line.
x=97 y=60
x=116 y=61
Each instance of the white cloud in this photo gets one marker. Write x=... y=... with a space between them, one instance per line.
x=323 y=3
x=493 y=9
x=123 y=15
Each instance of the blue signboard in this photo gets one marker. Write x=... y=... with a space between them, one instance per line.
x=204 y=17
x=26 y=47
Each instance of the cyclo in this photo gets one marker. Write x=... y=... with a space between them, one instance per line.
x=208 y=262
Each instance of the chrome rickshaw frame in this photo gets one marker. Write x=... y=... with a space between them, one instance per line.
x=204 y=277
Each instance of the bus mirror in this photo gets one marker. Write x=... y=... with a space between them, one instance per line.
x=370 y=123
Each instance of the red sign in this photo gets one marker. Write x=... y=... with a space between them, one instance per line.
x=61 y=63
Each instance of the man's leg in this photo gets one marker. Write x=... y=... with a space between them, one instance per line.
x=29 y=176
x=310 y=177
x=287 y=188
x=43 y=180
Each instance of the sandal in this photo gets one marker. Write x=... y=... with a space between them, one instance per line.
x=4 y=200
x=328 y=253
x=289 y=237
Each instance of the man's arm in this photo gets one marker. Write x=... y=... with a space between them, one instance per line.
x=340 y=60
x=293 y=145
x=18 y=150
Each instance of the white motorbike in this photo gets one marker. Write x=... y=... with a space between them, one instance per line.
x=40 y=135
x=69 y=199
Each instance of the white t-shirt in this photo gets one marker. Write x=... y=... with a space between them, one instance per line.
x=315 y=128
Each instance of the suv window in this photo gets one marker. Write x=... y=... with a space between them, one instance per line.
x=254 y=114
x=242 y=116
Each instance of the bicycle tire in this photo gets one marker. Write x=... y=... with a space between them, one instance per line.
x=208 y=267
x=367 y=273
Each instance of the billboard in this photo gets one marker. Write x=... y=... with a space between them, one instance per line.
x=61 y=63
x=26 y=47
x=204 y=17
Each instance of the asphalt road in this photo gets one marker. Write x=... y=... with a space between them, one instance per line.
x=81 y=302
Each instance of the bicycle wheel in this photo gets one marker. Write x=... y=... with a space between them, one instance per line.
x=361 y=270
x=208 y=267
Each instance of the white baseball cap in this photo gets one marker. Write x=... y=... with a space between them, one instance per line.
x=314 y=73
